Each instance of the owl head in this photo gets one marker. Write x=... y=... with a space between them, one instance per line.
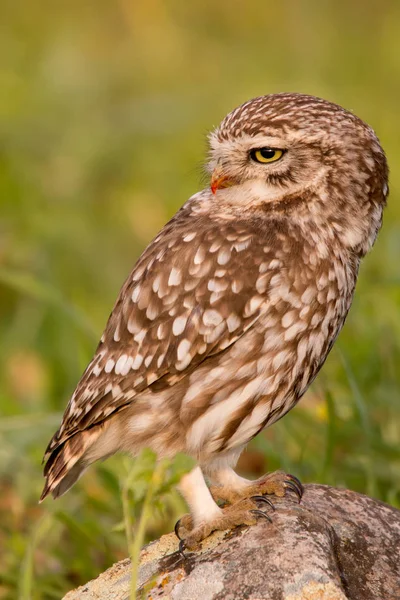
x=302 y=155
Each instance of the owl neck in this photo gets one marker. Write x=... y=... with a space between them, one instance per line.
x=352 y=223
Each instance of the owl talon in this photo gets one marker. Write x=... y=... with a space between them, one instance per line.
x=185 y=523
x=295 y=485
x=176 y=529
x=298 y=483
x=256 y=511
x=181 y=548
x=291 y=486
x=295 y=480
x=263 y=499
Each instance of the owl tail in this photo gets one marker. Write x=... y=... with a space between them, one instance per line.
x=67 y=462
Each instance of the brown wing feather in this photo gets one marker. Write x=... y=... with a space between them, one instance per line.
x=191 y=294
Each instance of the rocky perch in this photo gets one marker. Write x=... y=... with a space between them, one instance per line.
x=335 y=545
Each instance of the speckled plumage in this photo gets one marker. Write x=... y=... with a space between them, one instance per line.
x=231 y=311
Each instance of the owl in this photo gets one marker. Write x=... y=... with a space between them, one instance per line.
x=230 y=312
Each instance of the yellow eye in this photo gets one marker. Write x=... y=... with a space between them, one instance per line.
x=266 y=155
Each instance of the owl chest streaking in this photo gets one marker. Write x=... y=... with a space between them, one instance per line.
x=231 y=311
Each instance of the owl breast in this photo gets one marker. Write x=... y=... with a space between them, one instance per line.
x=233 y=396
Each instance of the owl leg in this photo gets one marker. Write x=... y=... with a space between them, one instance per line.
x=201 y=504
x=206 y=516
x=232 y=488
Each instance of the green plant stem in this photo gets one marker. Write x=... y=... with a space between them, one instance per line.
x=138 y=539
x=27 y=567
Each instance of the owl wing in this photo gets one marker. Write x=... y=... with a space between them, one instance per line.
x=193 y=292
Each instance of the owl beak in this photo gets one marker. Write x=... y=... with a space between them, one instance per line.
x=219 y=180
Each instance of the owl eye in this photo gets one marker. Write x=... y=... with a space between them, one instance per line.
x=266 y=155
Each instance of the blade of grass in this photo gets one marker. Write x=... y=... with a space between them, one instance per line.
x=137 y=541
x=330 y=435
x=357 y=395
x=360 y=404
x=25 y=587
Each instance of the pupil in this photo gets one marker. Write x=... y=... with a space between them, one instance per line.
x=267 y=152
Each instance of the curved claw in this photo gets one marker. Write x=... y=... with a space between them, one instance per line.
x=294 y=484
x=297 y=482
x=255 y=511
x=263 y=499
x=176 y=529
x=181 y=548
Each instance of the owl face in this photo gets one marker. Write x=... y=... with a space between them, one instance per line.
x=267 y=165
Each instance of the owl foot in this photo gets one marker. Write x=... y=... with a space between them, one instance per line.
x=183 y=527
x=244 y=512
x=277 y=483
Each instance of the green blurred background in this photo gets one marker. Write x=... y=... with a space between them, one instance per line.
x=104 y=109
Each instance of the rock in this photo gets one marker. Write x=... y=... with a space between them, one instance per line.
x=335 y=545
